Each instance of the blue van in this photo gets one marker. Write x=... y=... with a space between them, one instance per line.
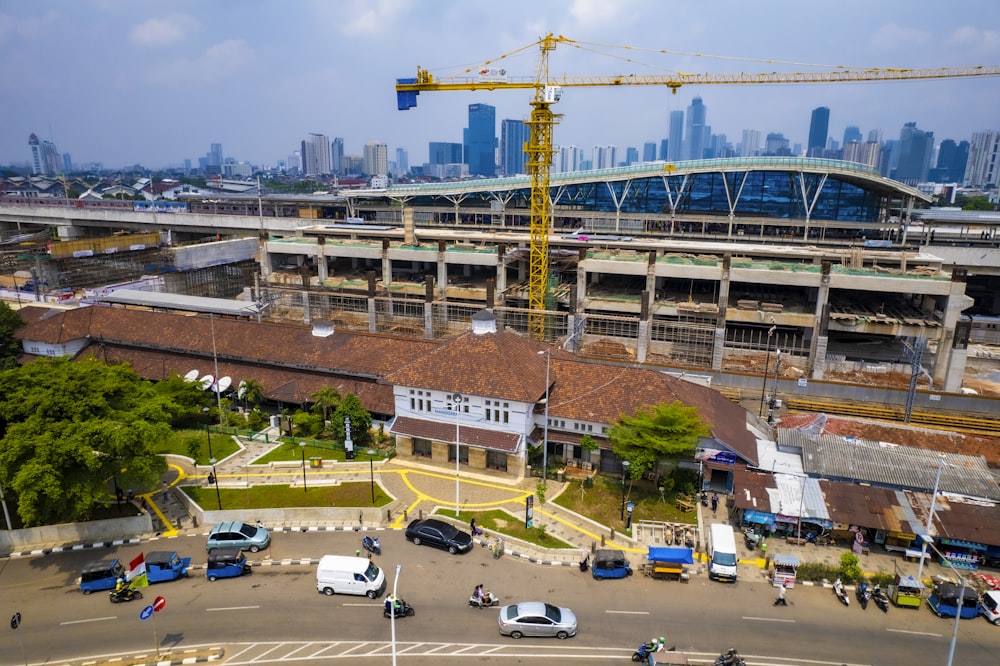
x=226 y=563
x=101 y=576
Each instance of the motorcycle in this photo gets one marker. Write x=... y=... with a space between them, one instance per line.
x=642 y=653
x=372 y=545
x=730 y=658
x=400 y=609
x=864 y=595
x=704 y=498
x=838 y=589
x=127 y=594
x=881 y=600
x=488 y=599
x=750 y=538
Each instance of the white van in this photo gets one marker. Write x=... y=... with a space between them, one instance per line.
x=722 y=553
x=342 y=574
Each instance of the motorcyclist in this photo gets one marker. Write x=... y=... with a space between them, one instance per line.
x=728 y=658
x=121 y=585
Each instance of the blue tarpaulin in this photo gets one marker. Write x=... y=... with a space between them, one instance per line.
x=759 y=517
x=673 y=555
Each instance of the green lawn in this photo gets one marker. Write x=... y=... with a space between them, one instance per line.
x=187 y=442
x=293 y=451
x=355 y=494
x=602 y=502
x=503 y=522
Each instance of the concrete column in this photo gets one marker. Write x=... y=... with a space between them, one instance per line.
x=442 y=271
x=355 y=263
x=581 y=286
x=386 y=263
x=263 y=258
x=949 y=367
x=501 y=273
x=466 y=270
x=409 y=235
x=429 y=307
x=821 y=325
x=719 y=339
x=372 y=317
x=306 y=313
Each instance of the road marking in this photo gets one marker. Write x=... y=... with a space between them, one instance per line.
x=364 y=605
x=767 y=619
x=93 y=619
x=211 y=610
x=915 y=633
x=627 y=612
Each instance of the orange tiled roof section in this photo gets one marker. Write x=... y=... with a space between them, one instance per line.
x=502 y=365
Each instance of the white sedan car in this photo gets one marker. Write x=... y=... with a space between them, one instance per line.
x=535 y=618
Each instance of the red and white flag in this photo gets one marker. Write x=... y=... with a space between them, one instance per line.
x=137 y=572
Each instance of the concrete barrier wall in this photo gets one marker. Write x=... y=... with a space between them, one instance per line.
x=94 y=531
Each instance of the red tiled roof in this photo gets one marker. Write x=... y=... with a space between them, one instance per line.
x=445 y=432
x=502 y=365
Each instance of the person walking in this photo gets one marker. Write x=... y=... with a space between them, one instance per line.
x=715 y=502
x=781 y=601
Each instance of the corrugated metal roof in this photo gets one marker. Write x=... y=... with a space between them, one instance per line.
x=891 y=465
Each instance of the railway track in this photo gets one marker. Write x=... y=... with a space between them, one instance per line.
x=954 y=421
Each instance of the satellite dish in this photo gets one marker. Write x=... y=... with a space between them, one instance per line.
x=191 y=376
x=241 y=389
x=206 y=382
x=224 y=384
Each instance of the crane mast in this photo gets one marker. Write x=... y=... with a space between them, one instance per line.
x=540 y=146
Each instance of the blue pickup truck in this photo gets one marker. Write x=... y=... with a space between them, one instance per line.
x=164 y=565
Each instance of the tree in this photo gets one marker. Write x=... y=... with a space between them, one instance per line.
x=73 y=428
x=665 y=431
x=326 y=400
x=253 y=392
x=361 y=421
x=978 y=203
x=10 y=347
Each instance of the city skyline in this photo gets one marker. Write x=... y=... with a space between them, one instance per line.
x=163 y=84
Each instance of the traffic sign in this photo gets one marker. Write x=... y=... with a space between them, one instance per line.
x=146 y=613
x=159 y=603
x=15 y=621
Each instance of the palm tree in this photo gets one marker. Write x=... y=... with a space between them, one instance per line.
x=326 y=400
x=253 y=392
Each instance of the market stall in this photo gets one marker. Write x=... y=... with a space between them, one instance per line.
x=785 y=568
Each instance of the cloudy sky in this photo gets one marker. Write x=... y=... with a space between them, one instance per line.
x=125 y=82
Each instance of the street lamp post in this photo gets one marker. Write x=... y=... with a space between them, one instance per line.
x=767 y=363
x=929 y=540
x=215 y=475
x=208 y=436
x=773 y=399
x=302 y=448
x=457 y=402
x=371 y=470
x=545 y=427
x=625 y=466
x=930 y=516
x=392 y=612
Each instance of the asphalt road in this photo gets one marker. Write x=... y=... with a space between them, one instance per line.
x=276 y=614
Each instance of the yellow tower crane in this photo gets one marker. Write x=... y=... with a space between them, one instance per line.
x=539 y=148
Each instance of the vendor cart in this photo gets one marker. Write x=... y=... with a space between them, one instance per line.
x=668 y=563
x=906 y=591
x=785 y=567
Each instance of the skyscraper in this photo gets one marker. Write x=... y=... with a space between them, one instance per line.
x=664 y=149
x=983 y=166
x=675 y=140
x=631 y=155
x=44 y=157
x=402 y=162
x=337 y=156
x=481 y=140
x=316 y=155
x=852 y=134
x=376 y=159
x=649 y=151
x=513 y=136
x=751 y=144
x=819 y=130
x=694 y=131
x=915 y=147
x=443 y=152
x=951 y=161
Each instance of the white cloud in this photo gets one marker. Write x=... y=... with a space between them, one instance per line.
x=891 y=37
x=370 y=17
x=162 y=31
x=974 y=39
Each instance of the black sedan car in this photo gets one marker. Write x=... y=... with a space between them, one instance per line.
x=440 y=534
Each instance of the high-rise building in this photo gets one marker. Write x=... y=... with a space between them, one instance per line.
x=951 y=161
x=567 y=159
x=513 y=136
x=819 y=129
x=694 y=131
x=604 y=157
x=983 y=167
x=376 y=159
x=751 y=144
x=675 y=145
x=337 y=156
x=649 y=151
x=863 y=153
x=776 y=144
x=316 y=155
x=45 y=160
x=915 y=147
x=481 y=140
x=852 y=134
x=402 y=162
x=664 y=149
x=631 y=155
x=443 y=152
